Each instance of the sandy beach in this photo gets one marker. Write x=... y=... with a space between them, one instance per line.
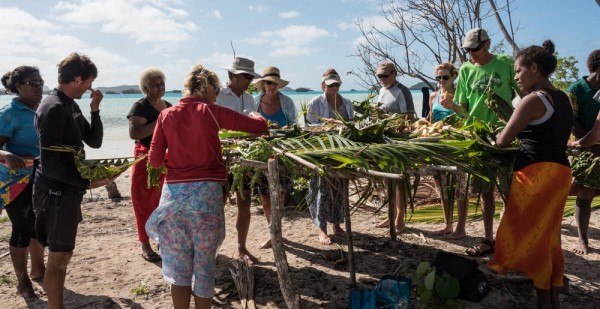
x=107 y=270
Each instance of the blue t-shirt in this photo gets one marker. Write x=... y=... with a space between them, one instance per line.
x=16 y=123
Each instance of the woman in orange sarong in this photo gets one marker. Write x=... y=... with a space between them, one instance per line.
x=528 y=238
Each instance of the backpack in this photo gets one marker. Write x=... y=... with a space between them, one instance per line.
x=474 y=285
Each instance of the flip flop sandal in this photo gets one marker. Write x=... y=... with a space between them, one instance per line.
x=152 y=258
x=475 y=250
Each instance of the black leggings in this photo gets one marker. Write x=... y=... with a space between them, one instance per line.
x=20 y=213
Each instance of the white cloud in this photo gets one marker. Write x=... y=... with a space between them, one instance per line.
x=258 y=8
x=289 y=14
x=378 y=22
x=159 y=25
x=346 y=26
x=216 y=14
x=293 y=41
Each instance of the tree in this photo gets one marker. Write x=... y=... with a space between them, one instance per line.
x=419 y=34
x=566 y=72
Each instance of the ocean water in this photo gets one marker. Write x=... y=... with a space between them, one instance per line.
x=115 y=107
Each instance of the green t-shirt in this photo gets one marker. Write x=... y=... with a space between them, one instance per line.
x=585 y=108
x=473 y=80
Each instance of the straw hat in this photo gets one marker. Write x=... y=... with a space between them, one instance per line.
x=271 y=74
x=242 y=65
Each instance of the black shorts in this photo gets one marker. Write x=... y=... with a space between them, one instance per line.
x=58 y=213
x=22 y=218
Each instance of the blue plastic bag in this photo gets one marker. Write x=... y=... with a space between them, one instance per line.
x=390 y=292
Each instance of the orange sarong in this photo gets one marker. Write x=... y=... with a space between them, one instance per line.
x=528 y=238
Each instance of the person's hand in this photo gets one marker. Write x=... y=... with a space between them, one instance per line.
x=102 y=182
x=573 y=144
x=96 y=97
x=255 y=115
x=13 y=161
x=447 y=102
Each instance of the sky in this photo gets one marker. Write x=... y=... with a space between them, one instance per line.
x=302 y=38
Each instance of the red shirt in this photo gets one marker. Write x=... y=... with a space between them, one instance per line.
x=190 y=130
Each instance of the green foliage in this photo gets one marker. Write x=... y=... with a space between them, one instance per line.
x=435 y=290
x=6 y=280
x=3 y=219
x=566 y=72
x=586 y=169
x=141 y=289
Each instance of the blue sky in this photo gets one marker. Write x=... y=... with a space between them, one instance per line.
x=302 y=37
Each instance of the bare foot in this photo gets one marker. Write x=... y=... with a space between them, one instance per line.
x=444 y=231
x=265 y=245
x=324 y=238
x=36 y=277
x=383 y=224
x=244 y=253
x=581 y=247
x=25 y=289
x=456 y=235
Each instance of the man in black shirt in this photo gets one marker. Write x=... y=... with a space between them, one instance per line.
x=58 y=187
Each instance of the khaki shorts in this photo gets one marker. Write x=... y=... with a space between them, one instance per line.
x=502 y=176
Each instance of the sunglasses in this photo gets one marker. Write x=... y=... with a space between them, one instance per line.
x=336 y=85
x=382 y=76
x=268 y=82
x=444 y=77
x=473 y=50
x=247 y=76
x=34 y=83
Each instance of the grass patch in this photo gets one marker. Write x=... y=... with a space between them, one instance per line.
x=434 y=213
x=6 y=280
x=3 y=219
x=141 y=289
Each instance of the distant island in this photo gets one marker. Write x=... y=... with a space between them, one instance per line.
x=420 y=85
x=302 y=89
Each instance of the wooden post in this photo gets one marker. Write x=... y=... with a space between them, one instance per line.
x=285 y=283
x=391 y=188
x=349 y=239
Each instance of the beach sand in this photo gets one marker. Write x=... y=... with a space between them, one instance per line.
x=107 y=267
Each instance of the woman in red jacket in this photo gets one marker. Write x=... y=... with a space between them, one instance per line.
x=189 y=222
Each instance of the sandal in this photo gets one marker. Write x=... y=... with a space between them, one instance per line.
x=152 y=257
x=475 y=250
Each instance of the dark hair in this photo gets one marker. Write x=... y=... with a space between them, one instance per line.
x=76 y=65
x=543 y=56
x=593 y=62
x=10 y=79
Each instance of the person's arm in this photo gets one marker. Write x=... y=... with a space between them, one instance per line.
x=158 y=146
x=289 y=109
x=589 y=139
x=531 y=108
x=139 y=128
x=312 y=109
x=232 y=120
x=12 y=160
x=94 y=132
x=431 y=100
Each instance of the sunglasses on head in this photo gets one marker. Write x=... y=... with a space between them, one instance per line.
x=34 y=83
x=336 y=85
x=444 y=77
x=381 y=76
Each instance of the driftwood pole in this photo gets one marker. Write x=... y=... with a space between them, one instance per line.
x=349 y=238
x=285 y=283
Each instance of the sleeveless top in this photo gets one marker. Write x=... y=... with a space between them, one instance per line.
x=545 y=139
x=438 y=111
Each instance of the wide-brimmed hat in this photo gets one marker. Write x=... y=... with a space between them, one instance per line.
x=331 y=77
x=385 y=68
x=271 y=74
x=242 y=65
x=475 y=37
